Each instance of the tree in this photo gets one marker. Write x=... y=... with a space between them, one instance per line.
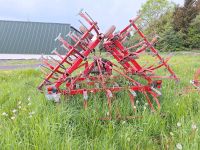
x=194 y=33
x=183 y=15
x=153 y=9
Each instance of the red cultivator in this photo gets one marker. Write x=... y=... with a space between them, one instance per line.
x=81 y=72
x=196 y=81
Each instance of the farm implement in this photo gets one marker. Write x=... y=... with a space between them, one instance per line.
x=196 y=82
x=116 y=68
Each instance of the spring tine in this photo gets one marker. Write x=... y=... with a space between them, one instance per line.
x=58 y=37
x=55 y=52
x=82 y=24
x=89 y=17
x=85 y=98
x=57 y=62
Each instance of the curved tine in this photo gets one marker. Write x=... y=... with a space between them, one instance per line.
x=132 y=96
x=58 y=37
x=149 y=101
x=155 y=98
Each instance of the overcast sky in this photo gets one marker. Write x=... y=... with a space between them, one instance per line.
x=105 y=12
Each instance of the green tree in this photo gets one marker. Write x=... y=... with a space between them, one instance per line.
x=183 y=15
x=194 y=33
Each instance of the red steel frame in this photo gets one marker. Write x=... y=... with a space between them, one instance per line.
x=61 y=72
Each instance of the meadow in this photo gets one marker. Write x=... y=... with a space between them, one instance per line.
x=29 y=121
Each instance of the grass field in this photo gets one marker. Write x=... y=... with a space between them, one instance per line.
x=29 y=121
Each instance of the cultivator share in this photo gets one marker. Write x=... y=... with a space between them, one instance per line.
x=85 y=71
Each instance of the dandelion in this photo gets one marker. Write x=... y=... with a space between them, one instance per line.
x=13 y=117
x=178 y=124
x=29 y=104
x=4 y=114
x=179 y=146
x=194 y=126
x=14 y=111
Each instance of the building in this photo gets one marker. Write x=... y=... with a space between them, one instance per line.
x=19 y=37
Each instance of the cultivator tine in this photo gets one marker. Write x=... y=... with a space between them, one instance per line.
x=132 y=96
x=85 y=98
x=109 y=95
x=58 y=37
x=149 y=101
x=58 y=62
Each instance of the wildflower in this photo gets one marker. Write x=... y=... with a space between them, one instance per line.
x=4 y=114
x=134 y=107
x=145 y=107
x=194 y=126
x=178 y=124
x=29 y=98
x=32 y=113
x=137 y=102
x=19 y=107
x=128 y=139
x=107 y=113
x=146 y=104
x=29 y=104
x=19 y=102
x=171 y=133
x=123 y=122
x=14 y=111
x=13 y=117
x=179 y=146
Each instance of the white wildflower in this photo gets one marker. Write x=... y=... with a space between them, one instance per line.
x=146 y=104
x=19 y=103
x=137 y=102
x=194 y=126
x=13 y=117
x=4 y=114
x=14 y=111
x=19 y=107
x=179 y=146
x=145 y=107
x=134 y=107
x=29 y=104
x=178 y=124
x=32 y=113
x=123 y=122
x=171 y=133
x=107 y=113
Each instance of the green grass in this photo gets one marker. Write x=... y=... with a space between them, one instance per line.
x=68 y=126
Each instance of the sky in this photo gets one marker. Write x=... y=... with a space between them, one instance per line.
x=105 y=12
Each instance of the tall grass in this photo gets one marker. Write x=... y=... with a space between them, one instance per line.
x=29 y=121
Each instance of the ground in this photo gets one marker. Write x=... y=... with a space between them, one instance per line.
x=29 y=121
